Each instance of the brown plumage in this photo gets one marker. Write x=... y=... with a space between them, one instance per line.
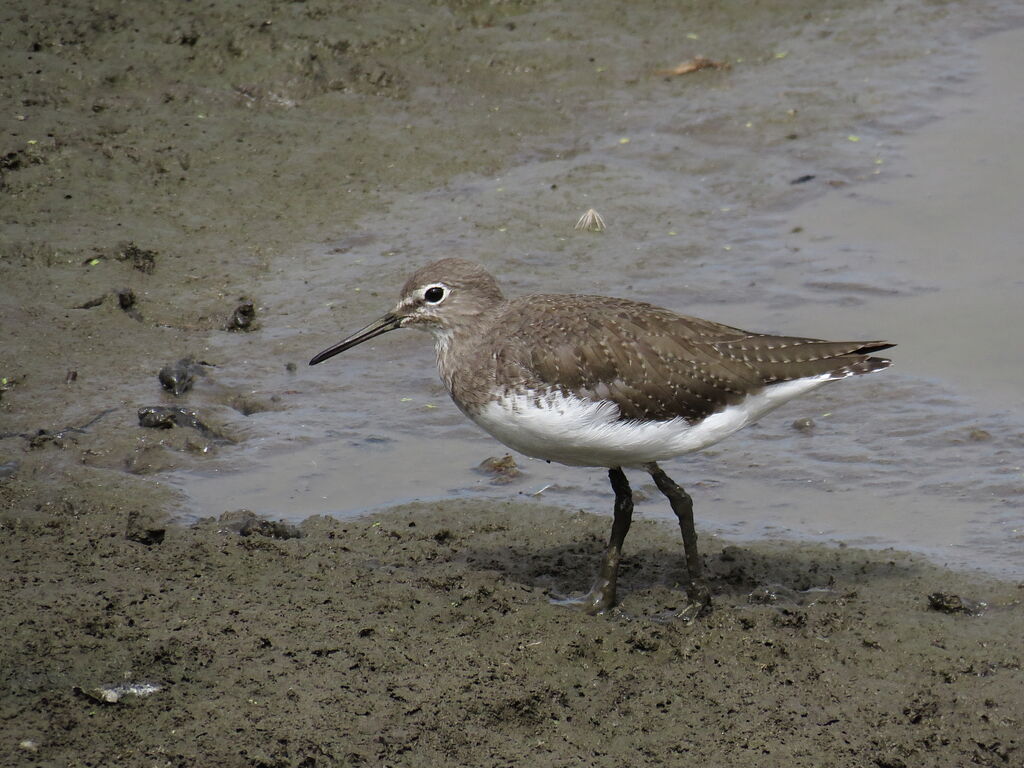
x=652 y=363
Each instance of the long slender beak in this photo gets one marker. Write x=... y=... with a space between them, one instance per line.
x=387 y=323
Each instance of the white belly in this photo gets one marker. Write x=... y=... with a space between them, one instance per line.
x=580 y=432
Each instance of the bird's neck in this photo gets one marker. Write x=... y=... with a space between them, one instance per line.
x=455 y=348
x=449 y=344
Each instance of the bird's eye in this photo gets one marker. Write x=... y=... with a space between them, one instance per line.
x=433 y=294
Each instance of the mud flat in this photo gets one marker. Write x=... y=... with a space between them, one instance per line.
x=194 y=199
x=424 y=637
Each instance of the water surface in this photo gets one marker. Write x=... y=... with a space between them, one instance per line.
x=849 y=178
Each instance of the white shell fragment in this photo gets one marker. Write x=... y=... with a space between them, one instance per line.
x=590 y=221
x=112 y=694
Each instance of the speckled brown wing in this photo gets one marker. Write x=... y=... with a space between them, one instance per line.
x=785 y=358
x=652 y=363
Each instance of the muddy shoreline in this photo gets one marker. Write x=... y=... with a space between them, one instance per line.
x=233 y=186
x=425 y=637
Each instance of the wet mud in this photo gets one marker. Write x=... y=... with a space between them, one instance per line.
x=425 y=636
x=194 y=199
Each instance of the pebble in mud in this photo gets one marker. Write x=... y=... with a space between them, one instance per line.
x=502 y=469
x=177 y=378
x=243 y=317
x=806 y=424
x=127 y=302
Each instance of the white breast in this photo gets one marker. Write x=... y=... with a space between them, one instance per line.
x=571 y=430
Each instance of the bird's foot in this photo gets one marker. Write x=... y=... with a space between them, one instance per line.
x=700 y=595
x=689 y=612
x=698 y=603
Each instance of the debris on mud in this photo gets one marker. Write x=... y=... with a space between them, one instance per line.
x=945 y=602
x=696 y=64
x=114 y=694
x=245 y=522
x=126 y=301
x=590 y=221
x=805 y=424
x=59 y=437
x=243 y=317
x=502 y=469
x=167 y=417
x=140 y=258
x=178 y=378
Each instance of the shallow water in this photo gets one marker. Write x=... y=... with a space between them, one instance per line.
x=909 y=230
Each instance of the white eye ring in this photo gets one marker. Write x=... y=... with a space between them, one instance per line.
x=435 y=294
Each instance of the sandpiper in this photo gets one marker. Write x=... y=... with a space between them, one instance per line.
x=604 y=382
